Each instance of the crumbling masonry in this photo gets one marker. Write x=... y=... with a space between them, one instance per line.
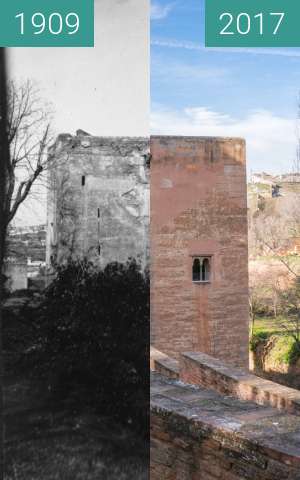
x=98 y=205
x=98 y=208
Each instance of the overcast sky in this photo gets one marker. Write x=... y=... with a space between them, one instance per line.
x=102 y=90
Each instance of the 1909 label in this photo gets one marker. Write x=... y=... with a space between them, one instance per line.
x=54 y=24
x=47 y=23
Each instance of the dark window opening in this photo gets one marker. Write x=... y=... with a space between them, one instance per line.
x=201 y=269
x=83 y=181
x=196 y=270
x=99 y=243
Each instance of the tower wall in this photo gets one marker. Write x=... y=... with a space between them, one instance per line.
x=98 y=205
x=199 y=209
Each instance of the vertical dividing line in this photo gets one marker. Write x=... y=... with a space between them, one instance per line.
x=99 y=244
x=4 y=165
x=85 y=215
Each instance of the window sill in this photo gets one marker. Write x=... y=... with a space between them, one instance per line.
x=201 y=282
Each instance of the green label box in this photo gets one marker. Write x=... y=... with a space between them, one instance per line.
x=252 y=23
x=47 y=23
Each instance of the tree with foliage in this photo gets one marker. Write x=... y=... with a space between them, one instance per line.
x=91 y=347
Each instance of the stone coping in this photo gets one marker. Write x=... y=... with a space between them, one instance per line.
x=163 y=364
x=201 y=369
x=197 y=138
x=252 y=430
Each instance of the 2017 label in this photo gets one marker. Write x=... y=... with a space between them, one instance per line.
x=252 y=23
x=243 y=23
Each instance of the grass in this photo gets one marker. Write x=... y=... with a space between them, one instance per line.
x=271 y=326
x=48 y=444
x=284 y=350
x=74 y=453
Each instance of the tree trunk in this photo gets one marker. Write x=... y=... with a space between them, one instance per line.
x=252 y=325
x=4 y=159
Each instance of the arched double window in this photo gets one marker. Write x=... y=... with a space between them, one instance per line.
x=201 y=269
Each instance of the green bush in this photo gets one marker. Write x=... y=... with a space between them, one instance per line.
x=257 y=339
x=92 y=339
x=286 y=350
x=293 y=353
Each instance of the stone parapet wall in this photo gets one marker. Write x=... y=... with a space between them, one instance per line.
x=200 y=369
x=161 y=363
x=198 y=434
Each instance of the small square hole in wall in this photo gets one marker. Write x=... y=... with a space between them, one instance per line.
x=201 y=272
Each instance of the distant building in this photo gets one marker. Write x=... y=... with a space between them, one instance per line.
x=16 y=273
x=264 y=187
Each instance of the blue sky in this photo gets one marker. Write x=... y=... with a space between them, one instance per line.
x=251 y=93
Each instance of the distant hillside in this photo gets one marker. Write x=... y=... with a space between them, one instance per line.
x=274 y=214
x=263 y=186
x=28 y=242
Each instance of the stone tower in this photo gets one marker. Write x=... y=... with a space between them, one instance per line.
x=199 y=258
x=98 y=204
x=98 y=208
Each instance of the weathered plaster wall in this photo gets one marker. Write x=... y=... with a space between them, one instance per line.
x=99 y=199
x=199 y=207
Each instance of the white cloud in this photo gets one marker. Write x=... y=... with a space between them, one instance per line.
x=170 y=43
x=271 y=139
x=158 y=12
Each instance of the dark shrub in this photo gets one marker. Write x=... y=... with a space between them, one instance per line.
x=92 y=339
x=4 y=289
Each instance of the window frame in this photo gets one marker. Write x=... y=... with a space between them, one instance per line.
x=203 y=257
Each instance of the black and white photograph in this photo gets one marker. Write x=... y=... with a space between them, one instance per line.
x=76 y=288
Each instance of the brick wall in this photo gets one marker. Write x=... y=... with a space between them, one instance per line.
x=197 y=434
x=161 y=363
x=175 y=456
x=200 y=369
x=199 y=207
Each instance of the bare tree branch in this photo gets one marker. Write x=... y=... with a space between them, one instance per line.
x=280 y=258
x=29 y=136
